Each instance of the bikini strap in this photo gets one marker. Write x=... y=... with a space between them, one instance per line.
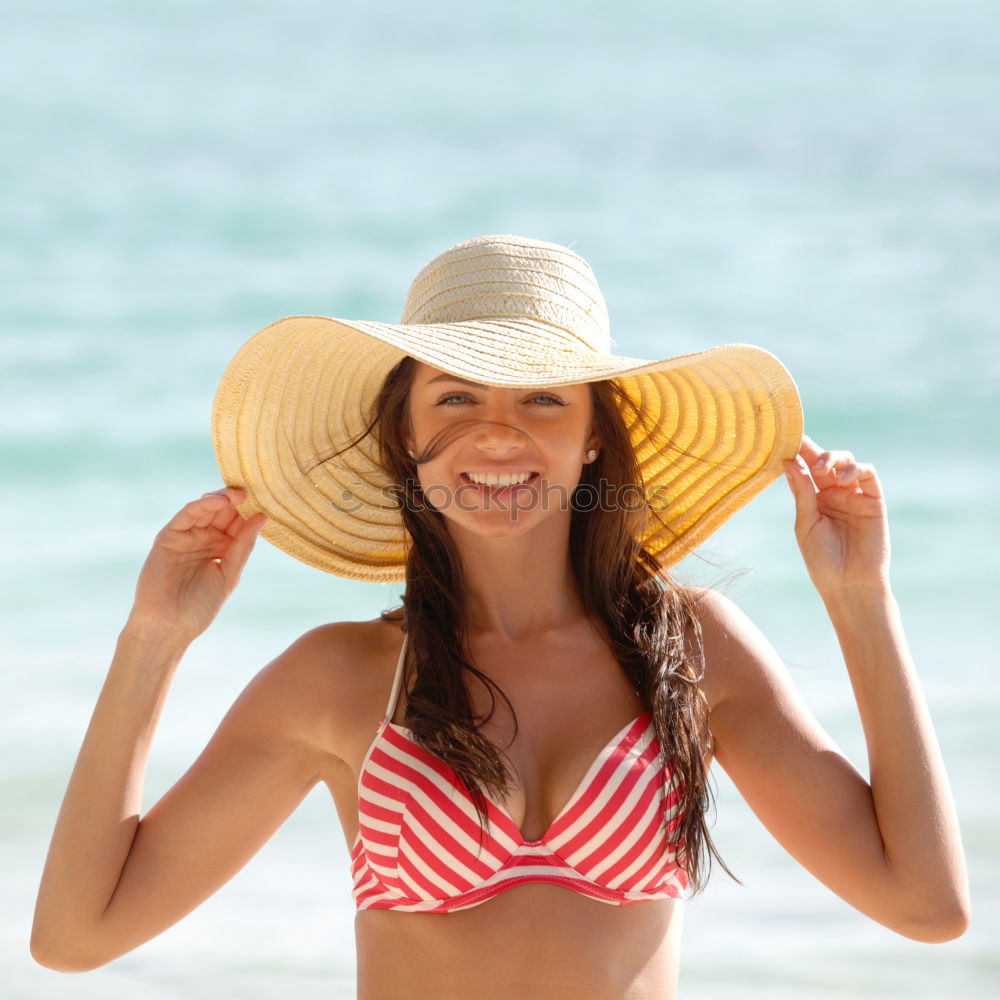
x=397 y=681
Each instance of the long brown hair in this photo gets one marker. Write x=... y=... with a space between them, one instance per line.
x=648 y=620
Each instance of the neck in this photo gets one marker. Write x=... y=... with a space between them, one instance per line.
x=518 y=587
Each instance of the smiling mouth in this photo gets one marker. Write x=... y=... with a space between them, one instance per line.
x=500 y=479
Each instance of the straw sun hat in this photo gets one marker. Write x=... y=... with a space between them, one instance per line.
x=503 y=311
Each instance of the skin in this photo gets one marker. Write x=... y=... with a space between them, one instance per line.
x=890 y=845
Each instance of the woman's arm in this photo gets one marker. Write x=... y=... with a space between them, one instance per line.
x=890 y=846
x=111 y=881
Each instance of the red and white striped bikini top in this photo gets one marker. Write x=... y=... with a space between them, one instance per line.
x=418 y=844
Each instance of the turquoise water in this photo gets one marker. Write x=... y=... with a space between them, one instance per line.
x=821 y=180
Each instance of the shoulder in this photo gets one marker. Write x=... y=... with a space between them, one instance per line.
x=328 y=688
x=340 y=652
x=737 y=656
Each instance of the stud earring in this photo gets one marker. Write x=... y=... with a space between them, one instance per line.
x=591 y=455
x=409 y=452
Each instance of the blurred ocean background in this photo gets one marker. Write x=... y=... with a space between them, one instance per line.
x=819 y=179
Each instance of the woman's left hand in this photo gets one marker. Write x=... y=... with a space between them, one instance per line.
x=840 y=519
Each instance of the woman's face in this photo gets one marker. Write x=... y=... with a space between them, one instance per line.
x=510 y=458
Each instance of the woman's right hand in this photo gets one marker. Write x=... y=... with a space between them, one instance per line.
x=193 y=567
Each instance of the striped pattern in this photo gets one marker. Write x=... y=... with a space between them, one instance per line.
x=420 y=846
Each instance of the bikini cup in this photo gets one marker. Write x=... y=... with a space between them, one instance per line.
x=420 y=844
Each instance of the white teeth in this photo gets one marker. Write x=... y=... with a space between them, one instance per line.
x=499 y=478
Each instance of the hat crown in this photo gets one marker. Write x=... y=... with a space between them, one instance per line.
x=498 y=278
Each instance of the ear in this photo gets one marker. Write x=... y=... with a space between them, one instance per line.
x=406 y=434
x=593 y=442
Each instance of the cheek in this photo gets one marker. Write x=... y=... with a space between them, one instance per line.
x=420 y=428
x=569 y=442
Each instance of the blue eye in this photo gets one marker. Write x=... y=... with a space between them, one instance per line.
x=458 y=398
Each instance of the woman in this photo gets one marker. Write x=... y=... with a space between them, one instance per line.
x=519 y=759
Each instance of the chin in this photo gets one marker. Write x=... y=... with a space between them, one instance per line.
x=495 y=527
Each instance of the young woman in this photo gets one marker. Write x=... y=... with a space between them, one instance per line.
x=519 y=755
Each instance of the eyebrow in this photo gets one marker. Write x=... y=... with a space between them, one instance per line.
x=446 y=377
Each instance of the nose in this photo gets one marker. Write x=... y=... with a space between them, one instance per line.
x=499 y=438
x=499 y=432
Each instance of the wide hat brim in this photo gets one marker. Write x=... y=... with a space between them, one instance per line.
x=719 y=423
